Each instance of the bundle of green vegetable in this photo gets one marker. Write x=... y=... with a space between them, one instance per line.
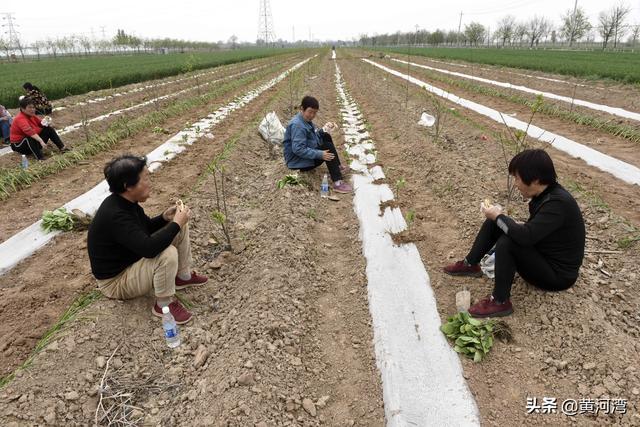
x=473 y=337
x=61 y=219
x=289 y=180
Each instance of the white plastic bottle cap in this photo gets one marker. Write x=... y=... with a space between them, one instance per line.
x=165 y=310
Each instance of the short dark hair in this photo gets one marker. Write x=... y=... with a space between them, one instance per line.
x=28 y=86
x=533 y=164
x=124 y=171
x=24 y=102
x=309 y=102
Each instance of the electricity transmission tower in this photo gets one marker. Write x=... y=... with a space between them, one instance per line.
x=265 y=24
x=13 y=38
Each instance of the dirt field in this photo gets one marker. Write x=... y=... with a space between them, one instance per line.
x=282 y=333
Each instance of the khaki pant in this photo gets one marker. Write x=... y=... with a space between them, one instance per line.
x=158 y=273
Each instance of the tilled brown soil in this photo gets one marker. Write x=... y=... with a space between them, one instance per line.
x=281 y=334
x=76 y=114
x=603 y=92
x=26 y=206
x=602 y=141
x=579 y=344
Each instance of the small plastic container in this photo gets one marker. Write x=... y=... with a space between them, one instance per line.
x=463 y=300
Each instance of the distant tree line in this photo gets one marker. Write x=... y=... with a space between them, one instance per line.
x=84 y=45
x=574 y=27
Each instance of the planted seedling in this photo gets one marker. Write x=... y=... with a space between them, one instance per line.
x=289 y=180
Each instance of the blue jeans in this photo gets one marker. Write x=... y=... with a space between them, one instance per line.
x=6 y=125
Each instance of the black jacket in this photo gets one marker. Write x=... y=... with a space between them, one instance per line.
x=121 y=234
x=555 y=228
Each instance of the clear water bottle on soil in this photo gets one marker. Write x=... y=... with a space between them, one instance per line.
x=24 y=162
x=171 y=333
x=324 y=187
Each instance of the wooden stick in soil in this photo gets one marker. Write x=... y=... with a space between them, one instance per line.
x=104 y=375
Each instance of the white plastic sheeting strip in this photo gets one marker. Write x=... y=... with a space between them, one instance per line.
x=511 y=72
x=78 y=125
x=32 y=238
x=422 y=380
x=624 y=171
x=137 y=89
x=616 y=111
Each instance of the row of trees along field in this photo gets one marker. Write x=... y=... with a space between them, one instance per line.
x=574 y=29
x=85 y=45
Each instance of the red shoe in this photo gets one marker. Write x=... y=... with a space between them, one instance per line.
x=181 y=314
x=489 y=307
x=460 y=269
x=194 y=280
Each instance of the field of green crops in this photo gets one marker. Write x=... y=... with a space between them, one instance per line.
x=72 y=76
x=618 y=66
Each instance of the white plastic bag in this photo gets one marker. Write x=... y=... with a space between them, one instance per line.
x=488 y=265
x=271 y=129
x=427 y=120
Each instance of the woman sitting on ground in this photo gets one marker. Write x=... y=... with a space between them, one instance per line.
x=29 y=135
x=307 y=147
x=43 y=105
x=546 y=251
x=5 y=123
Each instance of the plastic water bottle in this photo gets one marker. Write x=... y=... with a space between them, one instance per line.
x=171 y=333
x=324 y=187
x=24 y=163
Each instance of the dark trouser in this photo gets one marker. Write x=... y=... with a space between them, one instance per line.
x=511 y=257
x=43 y=110
x=31 y=146
x=332 y=165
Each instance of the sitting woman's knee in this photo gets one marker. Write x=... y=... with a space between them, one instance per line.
x=504 y=244
x=169 y=256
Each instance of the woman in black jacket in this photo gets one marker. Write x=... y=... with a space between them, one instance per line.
x=546 y=251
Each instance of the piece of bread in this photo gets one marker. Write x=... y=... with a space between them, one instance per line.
x=487 y=203
x=180 y=205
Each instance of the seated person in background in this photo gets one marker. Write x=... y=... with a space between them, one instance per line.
x=43 y=106
x=307 y=147
x=29 y=135
x=131 y=253
x=5 y=123
x=546 y=251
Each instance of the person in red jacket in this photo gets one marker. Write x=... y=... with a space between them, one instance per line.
x=28 y=134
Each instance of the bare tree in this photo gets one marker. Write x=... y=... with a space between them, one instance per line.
x=38 y=45
x=52 y=46
x=635 y=34
x=575 y=25
x=86 y=44
x=474 y=33
x=618 y=14
x=537 y=28
x=506 y=27
x=519 y=33
x=4 y=45
x=606 y=28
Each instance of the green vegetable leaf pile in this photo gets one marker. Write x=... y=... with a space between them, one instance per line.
x=58 y=219
x=289 y=180
x=472 y=337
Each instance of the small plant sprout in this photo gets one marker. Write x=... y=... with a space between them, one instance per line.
x=400 y=184
x=410 y=216
x=289 y=180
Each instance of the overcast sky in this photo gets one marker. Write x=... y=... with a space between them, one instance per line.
x=215 y=20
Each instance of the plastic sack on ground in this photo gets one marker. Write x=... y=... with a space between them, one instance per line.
x=488 y=265
x=427 y=120
x=271 y=129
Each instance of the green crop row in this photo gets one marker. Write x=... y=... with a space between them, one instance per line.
x=14 y=179
x=63 y=77
x=554 y=110
x=619 y=66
